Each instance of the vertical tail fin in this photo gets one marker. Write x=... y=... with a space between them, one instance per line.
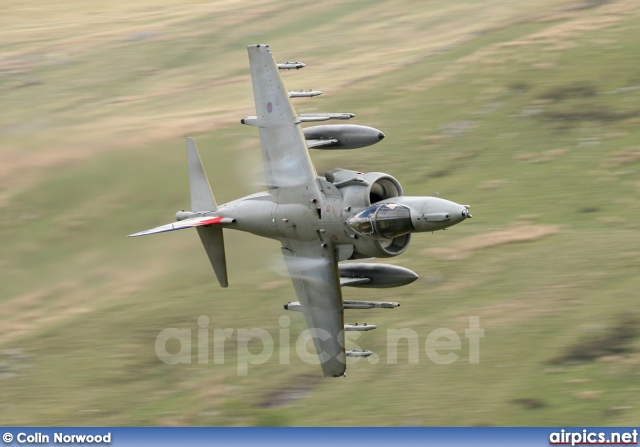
x=202 y=200
x=201 y=195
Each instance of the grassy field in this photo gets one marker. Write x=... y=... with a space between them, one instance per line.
x=528 y=111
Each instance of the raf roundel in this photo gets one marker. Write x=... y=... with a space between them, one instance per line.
x=269 y=107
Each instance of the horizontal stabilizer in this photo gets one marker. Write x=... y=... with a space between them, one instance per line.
x=213 y=242
x=187 y=223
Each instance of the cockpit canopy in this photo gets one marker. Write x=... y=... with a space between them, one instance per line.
x=382 y=221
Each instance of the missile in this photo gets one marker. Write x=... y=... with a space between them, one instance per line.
x=309 y=117
x=304 y=93
x=348 y=304
x=360 y=327
x=358 y=353
x=291 y=65
x=251 y=121
x=378 y=275
x=346 y=136
x=295 y=306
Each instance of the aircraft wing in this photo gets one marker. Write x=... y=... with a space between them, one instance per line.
x=284 y=149
x=316 y=280
x=290 y=173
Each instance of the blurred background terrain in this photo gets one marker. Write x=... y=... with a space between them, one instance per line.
x=528 y=111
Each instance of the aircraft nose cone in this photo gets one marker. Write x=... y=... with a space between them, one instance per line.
x=380 y=136
x=458 y=213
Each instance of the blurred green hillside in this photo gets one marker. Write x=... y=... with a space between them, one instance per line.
x=528 y=111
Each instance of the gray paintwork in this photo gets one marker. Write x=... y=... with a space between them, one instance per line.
x=342 y=136
x=312 y=216
x=376 y=275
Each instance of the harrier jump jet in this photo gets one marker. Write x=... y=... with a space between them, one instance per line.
x=319 y=220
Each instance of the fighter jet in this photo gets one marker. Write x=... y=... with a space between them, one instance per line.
x=320 y=220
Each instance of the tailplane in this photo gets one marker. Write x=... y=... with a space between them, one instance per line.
x=202 y=216
x=202 y=200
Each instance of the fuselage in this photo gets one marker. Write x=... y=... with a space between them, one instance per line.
x=330 y=217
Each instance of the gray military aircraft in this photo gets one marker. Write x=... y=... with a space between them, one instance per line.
x=319 y=220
